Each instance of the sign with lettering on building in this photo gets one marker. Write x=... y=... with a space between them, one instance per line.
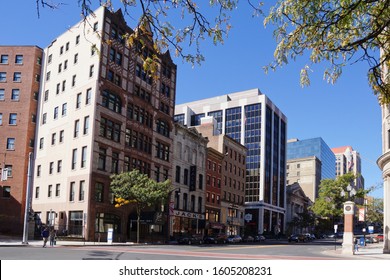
x=186 y=214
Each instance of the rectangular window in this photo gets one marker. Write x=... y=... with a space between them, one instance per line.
x=88 y=96
x=61 y=136
x=178 y=174
x=74 y=159
x=83 y=156
x=4 y=59
x=51 y=165
x=99 y=187
x=76 y=58
x=53 y=138
x=78 y=100
x=73 y=80
x=91 y=70
x=76 y=128
x=49 y=190
x=41 y=143
x=12 y=119
x=71 y=191
x=86 y=125
x=64 y=109
x=63 y=85
x=55 y=114
x=58 y=190
x=10 y=143
x=44 y=117
x=19 y=59
x=39 y=170
x=1 y=118
x=17 y=77
x=3 y=76
x=59 y=68
x=59 y=166
x=81 y=190
x=2 y=92
x=58 y=88
x=46 y=95
x=77 y=39
x=36 y=192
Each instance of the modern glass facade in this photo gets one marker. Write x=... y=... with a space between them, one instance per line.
x=252 y=143
x=250 y=118
x=314 y=147
x=233 y=123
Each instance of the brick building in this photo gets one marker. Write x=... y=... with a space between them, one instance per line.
x=100 y=113
x=20 y=71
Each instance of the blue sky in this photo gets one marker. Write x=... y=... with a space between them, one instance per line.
x=346 y=113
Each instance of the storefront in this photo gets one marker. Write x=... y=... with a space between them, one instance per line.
x=184 y=222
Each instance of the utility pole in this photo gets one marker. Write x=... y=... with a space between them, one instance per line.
x=28 y=198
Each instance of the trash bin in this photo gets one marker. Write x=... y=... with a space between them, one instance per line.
x=361 y=241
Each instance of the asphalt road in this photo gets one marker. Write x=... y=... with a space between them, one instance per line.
x=270 y=250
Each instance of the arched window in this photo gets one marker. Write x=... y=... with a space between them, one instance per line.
x=112 y=101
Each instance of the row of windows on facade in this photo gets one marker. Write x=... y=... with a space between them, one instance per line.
x=227 y=196
x=57 y=191
x=17 y=77
x=15 y=94
x=188 y=178
x=113 y=103
x=188 y=204
x=4 y=59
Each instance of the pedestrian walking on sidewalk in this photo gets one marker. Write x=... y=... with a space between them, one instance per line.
x=52 y=238
x=356 y=245
x=45 y=235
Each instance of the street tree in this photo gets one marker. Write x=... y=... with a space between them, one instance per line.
x=374 y=213
x=138 y=189
x=334 y=32
x=332 y=194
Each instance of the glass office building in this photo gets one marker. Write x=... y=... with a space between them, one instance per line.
x=250 y=118
x=314 y=147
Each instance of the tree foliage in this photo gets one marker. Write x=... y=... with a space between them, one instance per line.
x=137 y=188
x=337 y=32
x=330 y=199
x=375 y=211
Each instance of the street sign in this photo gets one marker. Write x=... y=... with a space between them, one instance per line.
x=370 y=229
x=248 y=217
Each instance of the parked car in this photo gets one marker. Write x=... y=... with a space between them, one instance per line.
x=371 y=239
x=210 y=239
x=190 y=239
x=309 y=236
x=234 y=239
x=260 y=238
x=297 y=238
x=380 y=237
x=248 y=238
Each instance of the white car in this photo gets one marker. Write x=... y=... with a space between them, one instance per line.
x=234 y=239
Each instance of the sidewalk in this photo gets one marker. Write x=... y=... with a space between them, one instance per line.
x=369 y=252
x=12 y=241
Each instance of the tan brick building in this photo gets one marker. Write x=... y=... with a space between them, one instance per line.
x=232 y=176
x=100 y=113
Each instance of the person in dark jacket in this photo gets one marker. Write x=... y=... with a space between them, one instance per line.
x=45 y=235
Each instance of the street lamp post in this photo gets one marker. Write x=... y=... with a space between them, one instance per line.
x=349 y=211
